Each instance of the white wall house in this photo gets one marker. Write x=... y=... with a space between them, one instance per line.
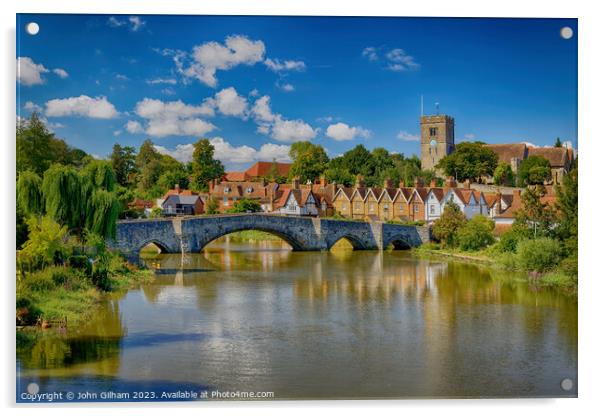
x=468 y=203
x=298 y=204
x=433 y=207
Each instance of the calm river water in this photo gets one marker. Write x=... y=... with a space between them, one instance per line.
x=344 y=324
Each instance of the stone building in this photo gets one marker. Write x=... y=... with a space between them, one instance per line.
x=436 y=139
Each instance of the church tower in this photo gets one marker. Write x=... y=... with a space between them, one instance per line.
x=436 y=139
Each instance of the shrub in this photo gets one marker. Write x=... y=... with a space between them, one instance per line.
x=80 y=263
x=445 y=229
x=476 y=233
x=509 y=240
x=540 y=254
x=40 y=281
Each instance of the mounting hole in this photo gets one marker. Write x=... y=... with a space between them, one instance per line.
x=32 y=28
x=566 y=384
x=566 y=32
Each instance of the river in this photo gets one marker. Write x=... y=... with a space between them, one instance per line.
x=257 y=317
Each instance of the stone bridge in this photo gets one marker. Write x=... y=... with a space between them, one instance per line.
x=191 y=234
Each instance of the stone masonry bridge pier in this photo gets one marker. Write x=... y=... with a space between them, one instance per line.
x=191 y=234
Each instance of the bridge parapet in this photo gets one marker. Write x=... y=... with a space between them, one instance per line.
x=191 y=234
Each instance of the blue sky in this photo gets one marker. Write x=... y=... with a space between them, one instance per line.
x=254 y=85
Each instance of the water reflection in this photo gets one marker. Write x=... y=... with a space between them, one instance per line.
x=338 y=324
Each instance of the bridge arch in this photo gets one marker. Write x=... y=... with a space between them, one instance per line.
x=398 y=242
x=159 y=244
x=355 y=242
x=289 y=239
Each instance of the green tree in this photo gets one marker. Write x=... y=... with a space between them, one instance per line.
x=204 y=167
x=538 y=217
x=469 y=161
x=170 y=178
x=540 y=254
x=102 y=213
x=123 y=160
x=46 y=243
x=309 y=161
x=445 y=229
x=503 y=175
x=567 y=211
x=245 y=205
x=29 y=193
x=64 y=198
x=534 y=170
x=100 y=174
x=211 y=206
x=477 y=233
x=558 y=142
x=340 y=176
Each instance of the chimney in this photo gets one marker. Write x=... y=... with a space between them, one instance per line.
x=388 y=183
x=498 y=203
x=450 y=182
x=433 y=183
x=359 y=182
x=211 y=185
x=467 y=184
x=295 y=182
x=402 y=184
x=323 y=180
x=418 y=182
x=177 y=188
x=515 y=195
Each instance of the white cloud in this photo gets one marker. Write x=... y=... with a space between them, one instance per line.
x=135 y=23
x=262 y=111
x=28 y=72
x=134 y=127
x=84 y=106
x=286 y=87
x=117 y=133
x=174 y=118
x=31 y=106
x=396 y=60
x=342 y=131
x=151 y=109
x=254 y=92
x=168 y=91
x=408 y=137
x=61 y=72
x=229 y=103
x=470 y=136
x=121 y=77
x=230 y=154
x=400 y=61
x=370 y=53
x=209 y=57
x=292 y=130
x=277 y=65
x=170 y=81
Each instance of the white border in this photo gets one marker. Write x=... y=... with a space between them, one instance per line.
x=590 y=153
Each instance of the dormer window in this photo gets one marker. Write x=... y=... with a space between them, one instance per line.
x=227 y=190
x=249 y=190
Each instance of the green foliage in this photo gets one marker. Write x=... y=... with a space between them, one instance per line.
x=204 y=166
x=534 y=170
x=38 y=149
x=22 y=232
x=340 y=176
x=558 y=143
x=540 y=218
x=156 y=212
x=178 y=176
x=29 y=193
x=509 y=240
x=63 y=196
x=211 y=206
x=309 y=161
x=476 y=234
x=46 y=244
x=469 y=161
x=503 y=175
x=100 y=174
x=445 y=229
x=540 y=254
x=567 y=209
x=102 y=213
x=123 y=161
x=245 y=205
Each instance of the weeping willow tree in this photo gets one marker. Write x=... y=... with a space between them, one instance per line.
x=82 y=200
x=29 y=193
x=61 y=189
x=102 y=213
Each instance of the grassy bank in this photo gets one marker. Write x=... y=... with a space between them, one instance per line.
x=556 y=277
x=59 y=293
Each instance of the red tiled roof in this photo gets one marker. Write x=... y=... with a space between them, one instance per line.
x=263 y=169
x=507 y=152
x=558 y=156
x=235 y=176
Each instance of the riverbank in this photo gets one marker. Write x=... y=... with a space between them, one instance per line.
x=64 y=295
x=556 y=277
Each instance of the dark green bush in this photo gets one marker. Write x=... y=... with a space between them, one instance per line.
x=475 y=234
x=40 y=281
x=81 y=262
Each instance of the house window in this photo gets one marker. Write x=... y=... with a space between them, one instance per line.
x=249 y=190
x=416 y=208
x=433 y=131
x=400 y=207
x=344 y=207
x=225 y=201
x=226 y=190
x=432 y=210
x=386 y=207
x=358 y=206
x=371 y=207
